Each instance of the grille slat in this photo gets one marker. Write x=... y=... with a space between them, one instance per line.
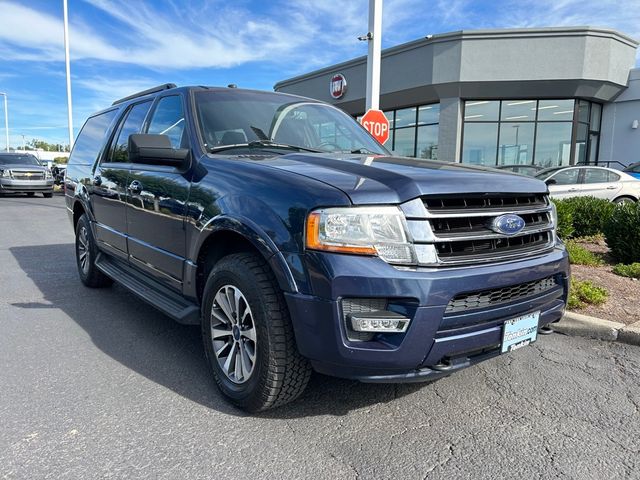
x=498 y=296
x=461 y=227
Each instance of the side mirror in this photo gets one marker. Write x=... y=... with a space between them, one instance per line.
x=151 y=149
x=550 y=181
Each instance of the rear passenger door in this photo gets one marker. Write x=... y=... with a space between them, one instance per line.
x=156 y=202
x=108 y=193
x=601 y=183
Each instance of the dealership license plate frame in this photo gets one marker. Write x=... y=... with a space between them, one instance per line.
x=527 y=325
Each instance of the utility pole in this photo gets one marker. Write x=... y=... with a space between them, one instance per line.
x=374 y=36
x=68 y=68
x=6 y=120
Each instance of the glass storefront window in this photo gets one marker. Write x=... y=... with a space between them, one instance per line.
x=518 y=110
x=481 y=111
x=427 y=142
x=555 y=110
x=581 y=143
x=429 y=114
x=553 y=144
x=404 y=143
x=596 y=112
x=405 y=117
x=516 y=143
x=583 y=111
x=480 y=143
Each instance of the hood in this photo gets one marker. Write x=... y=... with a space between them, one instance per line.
x=385 y=179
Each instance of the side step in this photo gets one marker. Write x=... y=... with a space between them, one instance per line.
x=157 y=295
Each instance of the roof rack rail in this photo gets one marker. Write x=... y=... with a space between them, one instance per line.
x=159 y=88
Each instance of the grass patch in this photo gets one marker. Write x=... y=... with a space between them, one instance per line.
x=578 y=255
x=583 y=293
x=631 y=271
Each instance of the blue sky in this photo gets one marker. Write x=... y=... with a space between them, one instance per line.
x=122 y=46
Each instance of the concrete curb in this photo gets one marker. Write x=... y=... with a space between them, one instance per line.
x=576 y=324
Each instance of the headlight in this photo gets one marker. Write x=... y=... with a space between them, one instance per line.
x=48 y=174
x=362 y=231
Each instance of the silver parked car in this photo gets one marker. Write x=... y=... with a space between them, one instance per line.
x=591 y=181
x=22 y=173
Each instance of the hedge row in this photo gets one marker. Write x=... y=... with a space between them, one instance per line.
x=589 y=216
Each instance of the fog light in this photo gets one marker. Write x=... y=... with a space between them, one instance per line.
x=380 y=321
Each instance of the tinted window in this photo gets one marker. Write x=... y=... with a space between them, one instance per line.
x=566 y=177
x=596 y=175
x=19 y=160
x=132 y=124
x=91 y=138
x=168 y=119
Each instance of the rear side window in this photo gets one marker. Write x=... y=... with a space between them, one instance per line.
x=131 y=124
x=91 y=139
x=168 y=119
x=596 y=175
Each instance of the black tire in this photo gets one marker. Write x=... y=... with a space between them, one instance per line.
x=47 y=195
x=30 y=194
x=90 y=276
x=620 y=200
x=279 y=373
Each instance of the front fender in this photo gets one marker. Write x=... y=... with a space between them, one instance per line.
x=248 y=229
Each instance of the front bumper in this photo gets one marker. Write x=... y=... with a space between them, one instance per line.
x=436 y=342
x=9 y=185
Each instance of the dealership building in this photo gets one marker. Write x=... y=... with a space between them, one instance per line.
x=546 y=96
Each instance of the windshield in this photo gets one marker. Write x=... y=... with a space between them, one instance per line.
x=260 y=118
x=19 y=160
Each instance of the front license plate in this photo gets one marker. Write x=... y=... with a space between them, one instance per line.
x=520 y=332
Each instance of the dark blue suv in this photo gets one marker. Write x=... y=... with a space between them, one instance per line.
x=298 y=243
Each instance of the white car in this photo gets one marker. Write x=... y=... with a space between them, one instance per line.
x=589 y=181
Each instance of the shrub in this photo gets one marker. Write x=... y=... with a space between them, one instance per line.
x=565 y=219
x=61 y=160
x=631 y=271
x=622 y=233
x=589 y=214
x=582 y=293
x=579 y=255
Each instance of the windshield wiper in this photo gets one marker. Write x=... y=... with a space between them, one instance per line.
x=263 y=144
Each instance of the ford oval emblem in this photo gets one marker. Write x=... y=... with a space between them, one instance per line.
x=509 y=224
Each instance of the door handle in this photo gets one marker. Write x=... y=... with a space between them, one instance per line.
x=135 y=187
x=573 y=189
x=611 y=187
x=97 y=180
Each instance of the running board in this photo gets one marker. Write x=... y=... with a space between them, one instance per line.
x=157 y=295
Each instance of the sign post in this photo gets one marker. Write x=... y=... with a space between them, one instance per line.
x=373 y=57
x=377 y=125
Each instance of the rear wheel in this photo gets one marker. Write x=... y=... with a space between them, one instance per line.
x=86 y=253
x=248 y=336
x=622 y=200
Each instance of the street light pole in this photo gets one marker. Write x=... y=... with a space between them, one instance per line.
x=6 y=119
x=68 y=68
x=373 y=58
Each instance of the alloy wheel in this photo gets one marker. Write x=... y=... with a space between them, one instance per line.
x=83 y=249
x=233 y=334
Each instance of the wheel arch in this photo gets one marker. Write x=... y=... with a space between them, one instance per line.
x=225 y=236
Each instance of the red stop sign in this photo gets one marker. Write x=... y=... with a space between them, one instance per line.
x=377 y=125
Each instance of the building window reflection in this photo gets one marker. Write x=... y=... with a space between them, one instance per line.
x=529 y=131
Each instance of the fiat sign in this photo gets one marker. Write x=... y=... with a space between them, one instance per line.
x=377 y=125
x=338 y=86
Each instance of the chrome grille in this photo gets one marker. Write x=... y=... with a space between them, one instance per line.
x=23 y=175
x=498 y=296
x=456 y=229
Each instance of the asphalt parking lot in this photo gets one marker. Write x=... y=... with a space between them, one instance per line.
x=96 y=384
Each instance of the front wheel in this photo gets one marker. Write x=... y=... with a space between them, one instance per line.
x=47 y=195
x=248 y=336
x=623 y=200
